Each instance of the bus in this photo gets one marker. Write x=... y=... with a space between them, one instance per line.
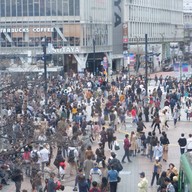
x=185 y=173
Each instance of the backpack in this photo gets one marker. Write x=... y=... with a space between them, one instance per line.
x=153 y=141
x=34 y=156
x=117 y=165
x=71 y=158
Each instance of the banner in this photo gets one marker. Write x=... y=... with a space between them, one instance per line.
x=117 y=26
x=185 y=67
x=176 y=67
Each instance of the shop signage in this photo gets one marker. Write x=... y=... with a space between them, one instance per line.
x=26 y=30
x=65 y=50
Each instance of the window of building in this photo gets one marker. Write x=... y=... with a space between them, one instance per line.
x=65 y=7
x=77 y=8
x=2 y=8
x=54 y=8
x=8 y=8
x=42 y=7
x=36 y=7
x=25 y=10
x=60 y=8
x=48 y=8
x=14 y=3
x=19 y=7
x=71 y=7
x=30 y=7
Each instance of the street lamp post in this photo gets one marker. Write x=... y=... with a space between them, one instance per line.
x=45 y=68
x=146 y=65
x=94 y=55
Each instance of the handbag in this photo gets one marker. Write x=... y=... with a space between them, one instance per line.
x=117 y=147
x=118 y=179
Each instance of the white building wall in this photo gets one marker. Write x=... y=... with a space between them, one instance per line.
x=159 y=19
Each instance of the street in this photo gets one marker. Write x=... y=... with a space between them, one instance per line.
x=130 y=174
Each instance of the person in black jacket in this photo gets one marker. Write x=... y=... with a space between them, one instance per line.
x=115 y=163
x=146 y=112
x=17 y=177
x=182 y=143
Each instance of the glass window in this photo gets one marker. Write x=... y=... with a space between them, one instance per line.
x=19 y=7
x=14 y=7
x=60 y=8
x=8 y=10
x=3 y=8
x=36 y=7
x=30 y=7
x=65 y=7
x=48 y=8
x=71 y=7
x=77 y=8
x=42 y=7
x=54 y=9
x=25 y=10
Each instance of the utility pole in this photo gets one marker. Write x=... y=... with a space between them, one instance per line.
x=137 y=55
x=45 y=69
x=95 y=71
x=146 y=65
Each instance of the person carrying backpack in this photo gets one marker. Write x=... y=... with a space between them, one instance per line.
x=115 y=163
x=73 y=155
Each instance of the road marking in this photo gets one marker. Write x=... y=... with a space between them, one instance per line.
x=125 y=173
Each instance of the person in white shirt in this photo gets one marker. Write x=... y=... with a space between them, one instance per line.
x=95 y=174
x=189 y=143
x=44 y=156
x=158 y=151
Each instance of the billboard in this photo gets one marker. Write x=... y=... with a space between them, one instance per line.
x=117 y=27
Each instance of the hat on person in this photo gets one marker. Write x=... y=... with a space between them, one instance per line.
x=142 y=174
x=157 y=158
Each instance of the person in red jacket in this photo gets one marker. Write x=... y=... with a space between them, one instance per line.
x=62 y=166
x=127 y=144
x=95 y=187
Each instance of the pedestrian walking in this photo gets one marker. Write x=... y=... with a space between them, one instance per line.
x=189 y=143
x=127 y=145
x=113 y=179
x=17 y=177
x=157 y=123
x=156 y=171
x=175 y=116
x=143 y=183
x=158 y=151
x=165 y=143
x=134 y=146
x=182 y=143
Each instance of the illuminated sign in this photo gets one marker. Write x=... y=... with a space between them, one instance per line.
x=26 y=30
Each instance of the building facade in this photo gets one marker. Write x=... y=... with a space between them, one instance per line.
x=161 y=20
x=187 y=19
x=74 y=29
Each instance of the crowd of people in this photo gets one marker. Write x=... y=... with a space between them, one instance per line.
x=44 y=142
